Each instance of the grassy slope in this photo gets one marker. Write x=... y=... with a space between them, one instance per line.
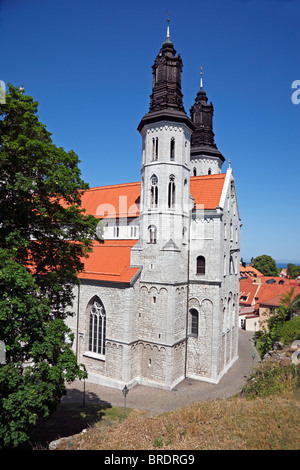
x=269 y=421
x=237 y=423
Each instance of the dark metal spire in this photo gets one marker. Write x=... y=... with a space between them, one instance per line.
x=167 y=68
x=166 y=98
x=201 y=113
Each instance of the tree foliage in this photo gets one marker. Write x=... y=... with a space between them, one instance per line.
x=266 y=265
x=281 y=324
x=293 y=271
x=44 y=237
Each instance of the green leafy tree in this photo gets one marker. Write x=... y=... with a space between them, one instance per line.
x=290 y=331
x=44 y=237
x=292 y=270
x=288 y=305
x=266 y=265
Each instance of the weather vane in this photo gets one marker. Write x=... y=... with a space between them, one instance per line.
x=201 y=82
x=168 y=29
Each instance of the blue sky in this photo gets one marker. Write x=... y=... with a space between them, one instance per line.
x=88 y=64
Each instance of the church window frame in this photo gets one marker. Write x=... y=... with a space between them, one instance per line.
x=200 y=265
x=152 y=231
x=172 y=149
x=97 y=328
x=154 y=192
x=171 y=192
x=155 y=148
x=194 y=322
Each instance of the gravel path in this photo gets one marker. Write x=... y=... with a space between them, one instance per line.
x=188 y=391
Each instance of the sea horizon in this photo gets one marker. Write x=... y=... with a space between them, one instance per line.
x=282 y=264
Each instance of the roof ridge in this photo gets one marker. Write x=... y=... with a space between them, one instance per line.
x=217 y=175
x=114 y=186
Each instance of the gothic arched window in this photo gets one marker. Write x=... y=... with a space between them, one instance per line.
x=154 y=192
x=194 y=322
x=171 y=192
x=172 y=149
x=194 y=172
x=200 y=265
x=154 y=148
x=152 y=233
x=97 y=327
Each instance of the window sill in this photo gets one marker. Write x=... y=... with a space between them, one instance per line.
x=93 y=355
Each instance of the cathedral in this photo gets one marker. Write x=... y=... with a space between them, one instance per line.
x=158 y=300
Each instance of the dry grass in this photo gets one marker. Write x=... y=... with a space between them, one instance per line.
x=234 y=424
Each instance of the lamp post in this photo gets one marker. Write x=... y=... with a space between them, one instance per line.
x=253 y=357
x=255 y=333
x=125 y=391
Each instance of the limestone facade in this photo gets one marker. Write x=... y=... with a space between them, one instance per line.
x=178 y=316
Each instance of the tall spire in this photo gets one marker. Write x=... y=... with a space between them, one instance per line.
x=201 y=82
x=168 y=27
x=202 y=116
x=166 y=99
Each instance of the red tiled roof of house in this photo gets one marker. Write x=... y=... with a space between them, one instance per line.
x=260 y=293
x=270 y=294
x=110 y=261
x=248 y=292
x=249 y=271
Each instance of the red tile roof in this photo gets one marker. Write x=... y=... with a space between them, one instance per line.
x=249 y=271
x=259 y=294
x=119 y=200
x=110 y=262
x=270 y=294
x=249 y=290
x=122 y=200
x=207 y=189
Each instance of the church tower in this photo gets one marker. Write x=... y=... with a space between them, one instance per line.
x=205 y=156
x=165 y=203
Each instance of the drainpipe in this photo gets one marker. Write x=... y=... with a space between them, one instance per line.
x=187 y=300
x=77 y=327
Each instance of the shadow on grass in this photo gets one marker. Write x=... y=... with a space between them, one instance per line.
x=75 y=413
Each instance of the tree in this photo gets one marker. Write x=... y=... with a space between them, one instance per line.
x=44 y=237
x=288 y=305
x=292 y=270
x=266 y=265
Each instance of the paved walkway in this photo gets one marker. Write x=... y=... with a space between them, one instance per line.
x=188 y=391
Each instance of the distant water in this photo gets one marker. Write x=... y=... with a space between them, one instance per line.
x=283 y=265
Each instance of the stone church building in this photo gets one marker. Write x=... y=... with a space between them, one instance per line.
x=158 y=301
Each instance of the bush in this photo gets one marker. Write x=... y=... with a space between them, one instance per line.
x=289 y=331
x=271 y=378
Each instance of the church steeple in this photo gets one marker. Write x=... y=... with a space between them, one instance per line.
x=202 y=141
x=166 y=97
x=166 y=88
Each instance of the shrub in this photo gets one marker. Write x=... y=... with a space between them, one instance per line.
x=271 y=378
x=289 y=331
